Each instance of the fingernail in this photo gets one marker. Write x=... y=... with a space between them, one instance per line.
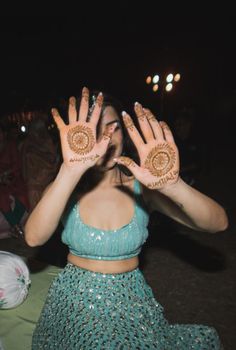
x=123 y=113
x=85 y=91
x=137 y=104
x=72 y=100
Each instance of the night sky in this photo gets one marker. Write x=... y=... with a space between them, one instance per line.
x=44 y=58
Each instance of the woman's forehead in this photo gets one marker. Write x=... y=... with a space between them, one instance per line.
x=109 y=114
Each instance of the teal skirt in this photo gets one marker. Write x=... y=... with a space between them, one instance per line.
x=87 y=310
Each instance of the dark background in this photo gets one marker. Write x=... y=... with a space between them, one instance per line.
x=113 y=47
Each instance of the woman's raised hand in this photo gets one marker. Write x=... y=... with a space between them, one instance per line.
x=159 y=156
x=80 y=148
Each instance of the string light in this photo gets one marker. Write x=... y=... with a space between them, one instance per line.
x=170 y=78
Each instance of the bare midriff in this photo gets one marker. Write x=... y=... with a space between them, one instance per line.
x=104 y=266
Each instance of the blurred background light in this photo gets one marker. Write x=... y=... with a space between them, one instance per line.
x=155 y=87
x=169 y=87
x=155 y=79
x=177 y=77
x=169 y=78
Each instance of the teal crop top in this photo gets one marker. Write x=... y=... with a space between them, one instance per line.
x=89 y=242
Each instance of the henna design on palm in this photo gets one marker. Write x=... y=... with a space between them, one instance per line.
x=81 y=139
x=160 y=160
x=158 y=153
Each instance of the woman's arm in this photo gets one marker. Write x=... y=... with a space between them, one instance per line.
x=158 y=172
x=187 y=206
x=80 y=151
x=45 y=217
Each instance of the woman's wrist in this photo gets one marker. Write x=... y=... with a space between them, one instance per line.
x=71 y=172
x=172 y=188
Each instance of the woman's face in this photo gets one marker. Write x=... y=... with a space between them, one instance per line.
x=115 y=146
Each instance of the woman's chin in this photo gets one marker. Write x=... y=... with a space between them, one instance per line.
x=109 y=166
x=105 y=165
x=107 y=161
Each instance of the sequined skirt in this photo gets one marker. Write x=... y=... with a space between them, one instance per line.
x=87 y=310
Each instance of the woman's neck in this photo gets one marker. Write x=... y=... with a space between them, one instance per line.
x=111 y=177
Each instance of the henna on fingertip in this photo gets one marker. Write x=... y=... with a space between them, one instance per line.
x=99 y=99
x=164 y=125
x=55 y=112
x=107 y=134
x=125 y=161
x=149 y=115
x=85 y=94
x=72 y=101
x=129 y=124
x=141 y=115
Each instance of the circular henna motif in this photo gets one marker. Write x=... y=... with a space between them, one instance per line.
x=160 y=160
x=81 y=139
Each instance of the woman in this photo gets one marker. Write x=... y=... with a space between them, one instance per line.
x=101 y=300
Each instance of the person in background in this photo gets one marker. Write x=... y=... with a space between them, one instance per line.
x=39 y=159
x=14 y=206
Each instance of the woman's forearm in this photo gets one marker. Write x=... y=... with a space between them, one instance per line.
x=203 y=211
x=45 y=217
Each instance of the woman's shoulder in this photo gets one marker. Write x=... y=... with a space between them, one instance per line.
x=138 y=188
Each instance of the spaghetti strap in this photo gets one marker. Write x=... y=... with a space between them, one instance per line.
x=137 y=187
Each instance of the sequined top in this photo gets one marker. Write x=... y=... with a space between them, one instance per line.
x=93 y=243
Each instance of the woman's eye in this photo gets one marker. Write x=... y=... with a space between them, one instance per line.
x=117 y=127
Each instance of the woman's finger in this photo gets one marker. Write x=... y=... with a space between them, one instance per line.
x=143 y=122
x=72 y=110
x=97 y=109
x=106 y=137
x=84 y=105
x=57 y=118
x=156 y=128
x=167 y=132
x=132 y=130
x=129 y=164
